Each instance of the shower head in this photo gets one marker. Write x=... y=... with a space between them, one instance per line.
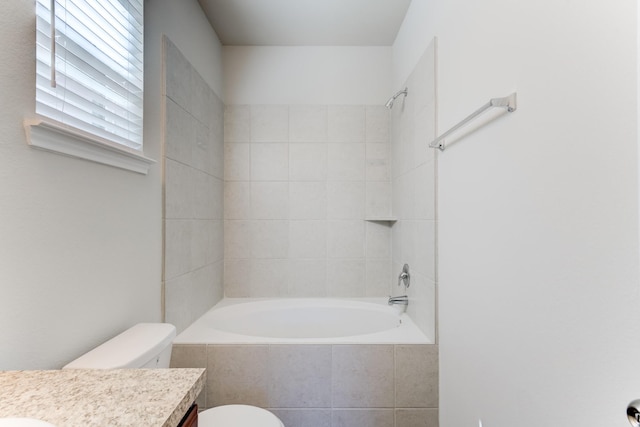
x=389 y=103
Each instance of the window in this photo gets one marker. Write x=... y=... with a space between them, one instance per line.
x=93 y=89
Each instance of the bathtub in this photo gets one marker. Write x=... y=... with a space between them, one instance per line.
x=303 y=321
x=313 y=362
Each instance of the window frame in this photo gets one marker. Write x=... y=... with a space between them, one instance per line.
x=49 y=134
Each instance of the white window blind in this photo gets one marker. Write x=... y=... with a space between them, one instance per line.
x=95 y=83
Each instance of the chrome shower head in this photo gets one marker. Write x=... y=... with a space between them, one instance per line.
x=389 y=103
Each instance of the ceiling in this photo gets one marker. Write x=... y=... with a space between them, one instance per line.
x=306 y=22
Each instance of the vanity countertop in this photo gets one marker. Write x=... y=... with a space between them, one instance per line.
x=101 y=398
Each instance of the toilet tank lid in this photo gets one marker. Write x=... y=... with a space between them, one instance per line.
x=131 y=349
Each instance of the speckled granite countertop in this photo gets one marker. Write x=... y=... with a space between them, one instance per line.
x=101 y=398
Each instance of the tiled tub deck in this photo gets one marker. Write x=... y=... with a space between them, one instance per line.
x=322 y=385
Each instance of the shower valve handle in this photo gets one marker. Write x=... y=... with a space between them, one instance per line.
x=404 y=276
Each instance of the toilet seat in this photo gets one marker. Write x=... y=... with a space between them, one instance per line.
x=238 y=416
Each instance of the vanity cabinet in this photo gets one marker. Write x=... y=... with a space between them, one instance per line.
x=191 y=417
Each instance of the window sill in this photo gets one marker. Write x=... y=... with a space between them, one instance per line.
x=61 y=139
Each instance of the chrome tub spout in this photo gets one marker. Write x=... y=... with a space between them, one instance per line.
x=400 y=300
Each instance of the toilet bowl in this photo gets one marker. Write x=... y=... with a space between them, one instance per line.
x=238 y=416
x=148 y=345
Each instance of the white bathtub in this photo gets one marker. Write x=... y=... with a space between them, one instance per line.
x=303 y=321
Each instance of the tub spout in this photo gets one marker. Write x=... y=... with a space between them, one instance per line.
x=400 y=300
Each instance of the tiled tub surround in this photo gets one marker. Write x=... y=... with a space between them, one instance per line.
x=193 y=192
x=414 y=190
x=299 y=183
x=318 y=385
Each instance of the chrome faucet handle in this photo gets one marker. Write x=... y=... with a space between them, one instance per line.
x=404 y=276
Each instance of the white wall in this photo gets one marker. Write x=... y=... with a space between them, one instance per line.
x=306 y=75
x=80 y=243
x=538 y=244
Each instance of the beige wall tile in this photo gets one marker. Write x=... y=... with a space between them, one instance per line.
x=215 y=162
x=268 y=278
x=237 y=374
x=237 y=277
x=270 y=200
x=345 y=238
x=202 y=94
x=308 y=162
x=304 y=417
x=237 y=239
x=269 y=239
x=237 y=123
x=331 y=153
x=363 y=376
x=178 y=75
x=300 y=376
x=378 y=277
x=193 y=192
x=215 y=186
x=417 y=418
x=307 y=278
x=200 y=243
x=269 y=123
x=346 y=162
x=307 y=123
x=424 y=316
x=177 y=293
x=346 y=200
x=178 y=190
x=378 y=240
x=414 y=189
x=215 y=249
x=307 y=239
x=363 y=418
x=205 y=285
x=378 y=199
x=378 y=164
x=416 y=376
x=345 y=278
x=189 y=356
x=201 y=148
x=237 y=162
x=178 y=246
x=207 y=196
x=346 y=123
x=307 y=200
x=377 y=123
x=179 y=134
x=237 y=199
x=269 y=162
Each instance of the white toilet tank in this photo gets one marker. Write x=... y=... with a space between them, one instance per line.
x=145 y=345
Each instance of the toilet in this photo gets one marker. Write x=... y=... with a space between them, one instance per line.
x=148 y=345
